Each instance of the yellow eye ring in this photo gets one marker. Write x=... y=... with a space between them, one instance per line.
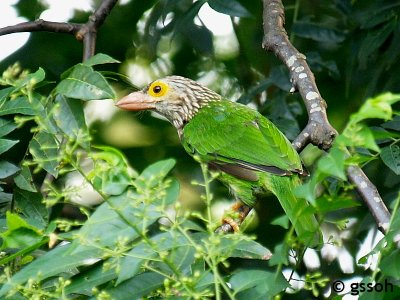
x=157 y=89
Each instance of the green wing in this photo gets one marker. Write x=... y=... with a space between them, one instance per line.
x=229 y=132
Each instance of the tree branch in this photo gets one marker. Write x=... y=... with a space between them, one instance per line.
x=87 y=33
x=371 y=197
x=89 y=30
x=41 y=25
x=318 y=131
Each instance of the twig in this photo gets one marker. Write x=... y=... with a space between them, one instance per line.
x=87 y=33
x=318 y=131
x=371 y=197
x=41 y=25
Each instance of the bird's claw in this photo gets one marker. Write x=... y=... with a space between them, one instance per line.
x=232 y=223
x=229 y=225
x=224 y=228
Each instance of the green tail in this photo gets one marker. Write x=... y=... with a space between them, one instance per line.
x=298 y=210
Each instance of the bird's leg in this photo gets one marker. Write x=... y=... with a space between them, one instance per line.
x=232 y=221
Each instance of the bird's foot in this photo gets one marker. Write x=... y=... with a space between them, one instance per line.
x=233 y=220
x=224 y=228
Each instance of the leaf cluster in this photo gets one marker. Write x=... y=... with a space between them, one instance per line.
x=130 y=246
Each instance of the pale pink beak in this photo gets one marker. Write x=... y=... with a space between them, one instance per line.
x=136 y=101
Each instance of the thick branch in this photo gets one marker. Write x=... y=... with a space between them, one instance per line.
x=318 y=130
x=89 y=30
x=99 y=16
x=87 y=33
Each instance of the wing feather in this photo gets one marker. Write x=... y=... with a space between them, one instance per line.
x=229 y=132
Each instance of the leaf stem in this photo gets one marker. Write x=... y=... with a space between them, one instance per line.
x=208 y=195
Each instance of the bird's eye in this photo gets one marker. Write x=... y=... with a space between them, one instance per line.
x=157 y=89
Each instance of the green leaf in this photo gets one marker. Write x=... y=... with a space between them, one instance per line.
x=257 y=284
x=4 y=94
x=70 y=118
x=137 y=287
x=229 y=7
x=199 y=36
x=172 y=192
x=22 y=255
x=357 y=135
x=5 y=198
x=7 y=169
x=110 y=174
x=30 y=9
x=378 y=107
x=393 y=124
x=282 y=221
x=85 y=281
x=205 y=281
x=373 y=40
x=82 y=82
x=391 y=157
x=279 y=256
x=19 y=238
x=44 y=149
x=125 y=216
x=383 y=136
x=390 y=264
x=24 y=180
x=31 y=79
x=111 y=221
x=19 y=233
x=182 y=258
x=367 y=139
x=5 y=145
x=327 y=204
x=104 y=229
x=249 y=249
x=130 y=265
x=30 y=205
x=318 y=64
x=161 y=168
x=100 y=59
x=381 y=14
x=307 y=189
x=333 y=163
x=18 y=105
x=318 y=32
x=6 y=127
x=56 y=261
x=188 y=16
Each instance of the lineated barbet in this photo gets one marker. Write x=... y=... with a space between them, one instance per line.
x=248 y=150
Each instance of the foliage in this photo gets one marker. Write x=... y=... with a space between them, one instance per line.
x=121 y=243
x=145 y=239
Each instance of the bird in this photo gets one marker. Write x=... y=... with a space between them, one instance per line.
x=249 y=153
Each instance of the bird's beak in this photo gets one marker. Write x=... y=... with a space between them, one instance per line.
x=136 y=101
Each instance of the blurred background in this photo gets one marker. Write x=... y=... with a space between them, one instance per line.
x=351 y=46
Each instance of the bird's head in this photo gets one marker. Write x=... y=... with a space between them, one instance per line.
x=176 y=98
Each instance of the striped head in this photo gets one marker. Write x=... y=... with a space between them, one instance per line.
x=174 y=97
